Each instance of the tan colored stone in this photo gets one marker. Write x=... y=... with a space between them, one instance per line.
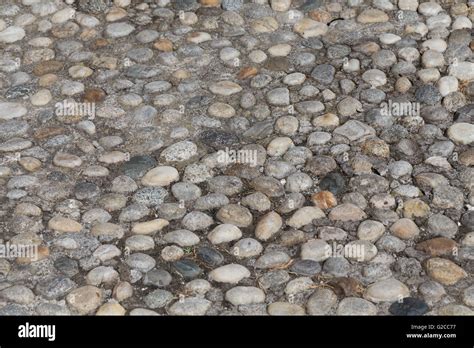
x=149 y=227
x=268 y=226
x=444 y=271
x=160 y=176
x=285 y=308
x=111 y=309
x=415 y=208
x=307 y=28
x=108 y=230
x=372 y=15
x=163 y=45
x=376 y=147
x=62 y=224
x=264 y=25
x=85 y=300
x=405 y=229
x=31 y=164
x=347 y=212
x=326 y=121
x=66 y=160
x=304 y=216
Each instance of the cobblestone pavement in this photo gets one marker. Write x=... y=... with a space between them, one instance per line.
x=229 y=157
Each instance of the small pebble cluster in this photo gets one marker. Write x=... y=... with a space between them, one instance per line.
x=237 y=157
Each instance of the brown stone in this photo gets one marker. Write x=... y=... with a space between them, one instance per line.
x=47 y=67
x=405 y=229
x=164 y=45
x=438 y=246
x=31 y=164
x=88 y=34
x=47 y=132
x=347 y=287
x=99 y=43
x=368 y=48
x=94 y=95
x=467 y=157
x=320 y=16
x=181 y=74
x=247 y=72
x=324 y=200
x=65 y=30
x=105 y=62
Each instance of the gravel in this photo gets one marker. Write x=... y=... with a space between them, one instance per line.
x=199 y=157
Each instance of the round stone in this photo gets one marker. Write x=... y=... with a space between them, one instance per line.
x=461 y=133
x=231 y=273
x=224 y=233
x=356 y=306
x=160 y=176
x=388 y=290
x=85 y=300
x=444 y=271
x=244 y=295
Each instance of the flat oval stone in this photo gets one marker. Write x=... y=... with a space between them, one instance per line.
x=388 y=290
x=160 y=176
x=190 y=306
x=444 y=271
x=356 y=306
x=10 y=111
x=285 y=308
x=225 y=88
x=116 y=30
x=306 y=267
x=183 y=238
x=12 y=34
x=231 y=273
x=137 y=166
x=244 y=295
x=157 y=277
x=224 y=233
x=209 y=256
